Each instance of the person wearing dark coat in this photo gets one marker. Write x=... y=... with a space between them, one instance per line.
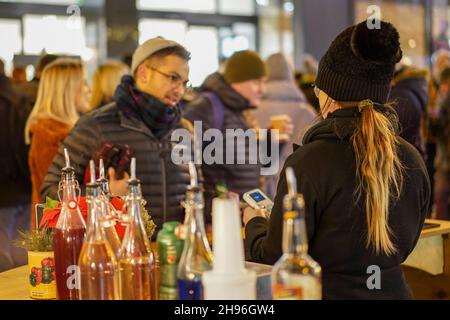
x=239 y=89
x=409 y=95
x=15 y=183
x=366 y=189
x=141 y=119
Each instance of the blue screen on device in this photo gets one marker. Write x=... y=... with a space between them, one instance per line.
x=257 y=196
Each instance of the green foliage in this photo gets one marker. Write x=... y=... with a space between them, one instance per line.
x=35 y=240
x=147 y=220
x=50 y=204
x=222 y=191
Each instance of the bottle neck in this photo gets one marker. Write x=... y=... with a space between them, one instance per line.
x=69 y=188
x=134 y=200
x=295 y=240
x=93 y=205
x=194 y=214
x=104 y=186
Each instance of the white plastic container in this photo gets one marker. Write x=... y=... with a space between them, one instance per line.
x=228 y=280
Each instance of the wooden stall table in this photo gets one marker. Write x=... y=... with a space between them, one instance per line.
x=14 y=284
x=427 y=268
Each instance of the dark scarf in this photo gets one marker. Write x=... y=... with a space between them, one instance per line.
x=158 y=117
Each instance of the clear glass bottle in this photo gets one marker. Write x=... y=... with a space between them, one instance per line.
x=137 y=261
x=295 y=276
x=69 y=234
x=108 y=218
x=197 y=256
x=99 y=272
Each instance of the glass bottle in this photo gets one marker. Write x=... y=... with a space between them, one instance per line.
x=108 y=217
x=99 y=272
x=69 y=234
x=295 y=276
x=197 y=256
x=137 y=262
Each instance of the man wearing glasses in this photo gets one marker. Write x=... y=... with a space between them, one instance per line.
x=141 y=119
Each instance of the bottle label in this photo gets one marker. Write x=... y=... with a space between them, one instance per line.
x=281 y=292
x=290 y=215
x=72 y=204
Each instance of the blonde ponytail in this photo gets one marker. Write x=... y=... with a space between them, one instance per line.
x=379 y=174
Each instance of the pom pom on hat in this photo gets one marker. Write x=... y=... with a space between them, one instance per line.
x=377 y=44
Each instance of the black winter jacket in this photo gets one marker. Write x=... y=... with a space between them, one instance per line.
x=239 y=178
x=164 y=183
x=410 y=97
x=15 y=183
x=336 y=223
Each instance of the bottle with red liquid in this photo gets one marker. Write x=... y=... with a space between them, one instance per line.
x=69 y=234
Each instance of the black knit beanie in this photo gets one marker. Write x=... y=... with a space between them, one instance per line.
x=360 y=63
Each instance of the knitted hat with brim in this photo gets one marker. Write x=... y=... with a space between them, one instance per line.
x=360 y=63
x=150 y=47
x=243 y=66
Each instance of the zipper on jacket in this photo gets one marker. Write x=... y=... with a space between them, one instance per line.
x=163 y=172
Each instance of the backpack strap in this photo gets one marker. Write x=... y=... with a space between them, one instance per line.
x=217 y=108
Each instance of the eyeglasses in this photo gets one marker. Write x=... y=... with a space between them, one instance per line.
x=316 y=91
x=174 y=79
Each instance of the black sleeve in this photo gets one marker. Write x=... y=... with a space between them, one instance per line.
x=263 y=239
x=426 y=201
x=264 y=140
x=81 y=144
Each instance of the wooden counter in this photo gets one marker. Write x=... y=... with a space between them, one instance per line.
x=14 y=284
x=427 y=268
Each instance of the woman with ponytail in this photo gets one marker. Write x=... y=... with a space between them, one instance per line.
x=366 y=190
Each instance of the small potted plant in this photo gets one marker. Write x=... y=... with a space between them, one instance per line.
x=41 y=265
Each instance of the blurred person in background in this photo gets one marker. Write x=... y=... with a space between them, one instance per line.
x=2 y=67
x=409 y=95
x=226 y=102
x=440 y=128
x=305 y=80
x=30 y=88
x=105 y=81
x=15 y=184
x=440 y=60
x=19 y=74
x=283 y=97
x=62 y=96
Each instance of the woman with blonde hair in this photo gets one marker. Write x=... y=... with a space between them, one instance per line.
x=106 y=79
x=366 y=189
x=63 y=94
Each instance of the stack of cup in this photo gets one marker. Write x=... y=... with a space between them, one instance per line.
x=228 y=280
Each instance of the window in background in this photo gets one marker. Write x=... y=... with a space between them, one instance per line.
x=201 y=6
x=54 y=34
x=441 y=18
x=241 y=36
x=202 y=42
x=56 y=2
x=237 y=7
x=409 y=19
x=11 y=41
x=170 y=29
x=248 y=31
